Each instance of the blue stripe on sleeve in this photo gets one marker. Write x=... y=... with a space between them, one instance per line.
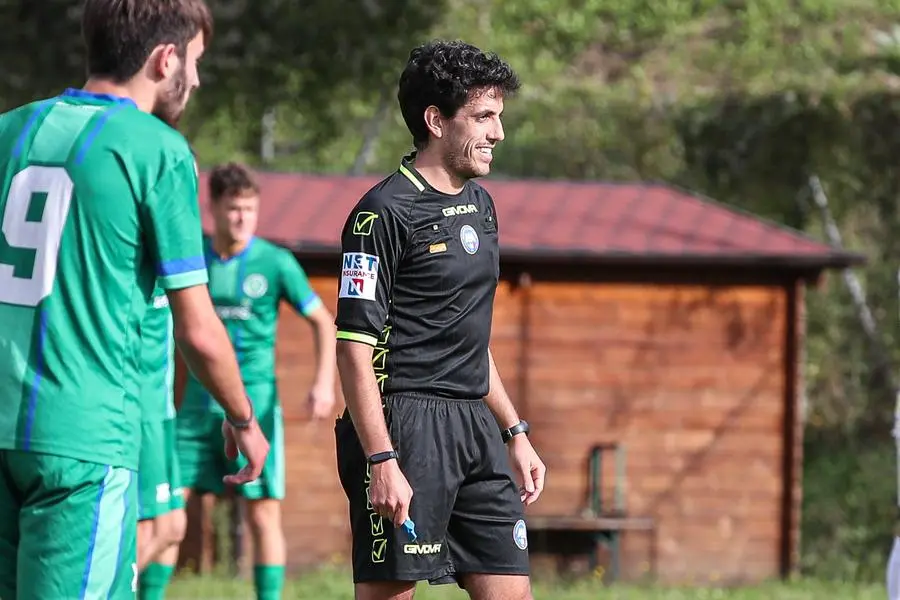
x=311 y=301
x=181 y=265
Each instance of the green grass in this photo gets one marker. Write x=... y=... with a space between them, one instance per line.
x=335 y=585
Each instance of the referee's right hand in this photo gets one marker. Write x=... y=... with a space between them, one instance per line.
x=251 y=444
x=389 y=492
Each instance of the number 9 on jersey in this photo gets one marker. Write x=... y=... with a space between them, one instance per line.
x=40 y=234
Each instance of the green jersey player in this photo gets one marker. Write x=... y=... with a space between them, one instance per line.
x=98 y=200
x=249 y=280
x=161 y=515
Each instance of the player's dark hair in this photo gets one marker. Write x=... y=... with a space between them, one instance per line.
x=446 y=75
x=120 y=35
x=231 y=179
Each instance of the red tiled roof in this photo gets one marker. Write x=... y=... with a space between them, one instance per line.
x=558 y=219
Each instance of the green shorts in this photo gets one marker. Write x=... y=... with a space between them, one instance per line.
x=68 y=528
x=201 y=449
x=159 y=480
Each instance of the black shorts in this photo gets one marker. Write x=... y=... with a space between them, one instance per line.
x=466 y=507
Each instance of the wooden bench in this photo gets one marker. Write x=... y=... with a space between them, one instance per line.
x=605 y=525
x=606 y=532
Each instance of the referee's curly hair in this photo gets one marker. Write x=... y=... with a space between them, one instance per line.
x=446 y=74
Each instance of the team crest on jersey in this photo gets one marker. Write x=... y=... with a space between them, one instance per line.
x=520 y=535
x=255 y=285
x=469 y=239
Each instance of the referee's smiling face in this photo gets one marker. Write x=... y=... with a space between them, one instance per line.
x=470 y=136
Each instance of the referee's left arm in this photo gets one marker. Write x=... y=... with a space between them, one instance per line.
x=498 y=400
x=524 y=460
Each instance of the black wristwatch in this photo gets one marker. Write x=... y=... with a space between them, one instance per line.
x=245 y=424
x=380 y=457
x=520 y=427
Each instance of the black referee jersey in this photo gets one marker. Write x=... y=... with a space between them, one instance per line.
x=418 y=276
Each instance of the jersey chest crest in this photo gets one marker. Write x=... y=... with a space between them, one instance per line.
x=255 y=285
x=235 y=291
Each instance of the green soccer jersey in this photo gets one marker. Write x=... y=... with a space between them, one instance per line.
x=247 y=290
x=157 y=397
x=98 y=200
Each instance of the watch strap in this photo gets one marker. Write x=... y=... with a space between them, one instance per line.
x=244 y=424
x=380 y=457
x=508 y=434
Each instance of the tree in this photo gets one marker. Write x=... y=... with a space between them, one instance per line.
x=264 y=53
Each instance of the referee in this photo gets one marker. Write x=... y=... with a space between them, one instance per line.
x=430 y=433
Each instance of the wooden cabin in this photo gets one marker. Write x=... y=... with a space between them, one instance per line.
x=651 y=337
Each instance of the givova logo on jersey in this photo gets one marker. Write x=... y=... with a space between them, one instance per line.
x=359 y=276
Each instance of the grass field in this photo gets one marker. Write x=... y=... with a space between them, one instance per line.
x=334 y=585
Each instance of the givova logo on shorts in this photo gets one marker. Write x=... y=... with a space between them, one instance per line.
x=422 y=549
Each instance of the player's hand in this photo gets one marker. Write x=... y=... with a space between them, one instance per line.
x=321 y=400
x=527 y=466
x=389 y=492
x=249 y=442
